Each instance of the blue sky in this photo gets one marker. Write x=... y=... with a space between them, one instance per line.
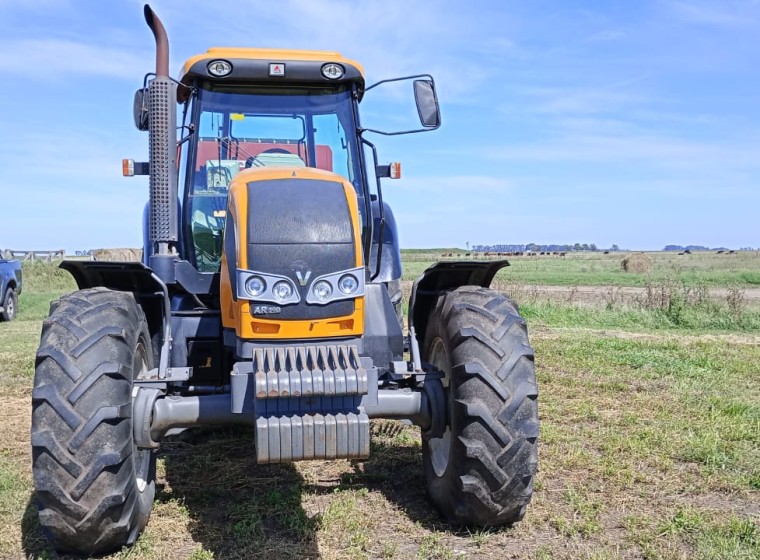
x=635 y=123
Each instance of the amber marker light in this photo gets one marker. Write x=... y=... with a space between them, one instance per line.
x=128 y=167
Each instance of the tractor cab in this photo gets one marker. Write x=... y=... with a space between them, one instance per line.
x=247 y=109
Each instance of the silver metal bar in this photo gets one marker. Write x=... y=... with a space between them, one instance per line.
x=187 y=412
x=166 y=346
x=402 y=404
x=415 y=349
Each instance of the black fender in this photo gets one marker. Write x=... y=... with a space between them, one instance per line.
x=149 y=291
x=443 y=277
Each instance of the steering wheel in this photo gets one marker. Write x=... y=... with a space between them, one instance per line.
x=252 y=159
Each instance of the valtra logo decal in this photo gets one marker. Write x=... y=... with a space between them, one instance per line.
x=302 y=272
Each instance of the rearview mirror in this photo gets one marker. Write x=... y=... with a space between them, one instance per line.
x=425 y=98
x=140 y=109
x=427 y=103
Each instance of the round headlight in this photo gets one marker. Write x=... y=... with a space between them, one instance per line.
x=282 y=291
x=322 y=290
x=348 y=284
x=219 y=68
x=255 y=286
x=332 y=71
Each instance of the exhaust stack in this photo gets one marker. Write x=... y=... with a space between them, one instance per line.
x=162 y=42
x=162 y=103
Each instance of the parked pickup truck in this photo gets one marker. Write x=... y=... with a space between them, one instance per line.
x=10 y=284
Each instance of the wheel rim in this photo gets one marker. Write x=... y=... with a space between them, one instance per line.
x=140 y=457
x=10 y=307
x=440 y=448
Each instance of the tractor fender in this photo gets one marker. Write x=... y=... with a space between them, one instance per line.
x=149 y=291
x=442 y=277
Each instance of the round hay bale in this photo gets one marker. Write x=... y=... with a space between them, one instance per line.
x=118 y=255
x=639 y=263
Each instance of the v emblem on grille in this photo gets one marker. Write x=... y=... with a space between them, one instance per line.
x=303 y=278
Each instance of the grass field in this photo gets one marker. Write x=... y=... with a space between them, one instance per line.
x=650 y=437
x=597 y=269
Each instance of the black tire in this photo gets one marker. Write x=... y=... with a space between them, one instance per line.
x=94 y=488
x=480 y=471
x=10 y=305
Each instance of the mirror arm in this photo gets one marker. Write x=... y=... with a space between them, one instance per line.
x=384 y=133
x=427 y=76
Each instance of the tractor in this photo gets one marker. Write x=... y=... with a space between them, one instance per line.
x=269 y=295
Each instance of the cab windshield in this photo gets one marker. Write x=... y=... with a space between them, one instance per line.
x=248 y=127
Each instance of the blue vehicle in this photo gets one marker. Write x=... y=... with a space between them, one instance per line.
x=10 y=282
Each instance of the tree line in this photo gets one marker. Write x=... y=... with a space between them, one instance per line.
x=536 y=247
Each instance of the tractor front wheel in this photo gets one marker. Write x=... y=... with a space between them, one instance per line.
x=94 y=487
x=480 y=470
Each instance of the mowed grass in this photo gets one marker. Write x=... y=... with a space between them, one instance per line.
x=650 y=448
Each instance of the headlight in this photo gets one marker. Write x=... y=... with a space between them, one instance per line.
x=348 y=284
x=282 y=291
x=322 y=291
x=337 y=286
x=332 y=71
x=255 y=286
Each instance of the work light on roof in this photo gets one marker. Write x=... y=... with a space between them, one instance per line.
x=219 y=68
x=332 y=71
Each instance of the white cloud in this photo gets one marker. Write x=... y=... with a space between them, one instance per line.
x=606 y=36
x=43 y=59
x=723 y=14
x=445 y=184
x=69 y=194
x=34 y=5
x=654 y=149
x=566 y=101
x=390 y=38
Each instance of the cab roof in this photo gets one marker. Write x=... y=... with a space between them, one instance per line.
x=270 y=65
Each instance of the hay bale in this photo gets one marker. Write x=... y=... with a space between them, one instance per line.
x=119 y=255
x=639 y=263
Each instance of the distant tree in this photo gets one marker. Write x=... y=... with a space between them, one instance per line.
x=468 y=245
x=577 y=247
x=592 y=247
x=614 y=248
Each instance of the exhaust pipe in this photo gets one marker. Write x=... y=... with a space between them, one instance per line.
x=162 y=42
x=162 y=101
